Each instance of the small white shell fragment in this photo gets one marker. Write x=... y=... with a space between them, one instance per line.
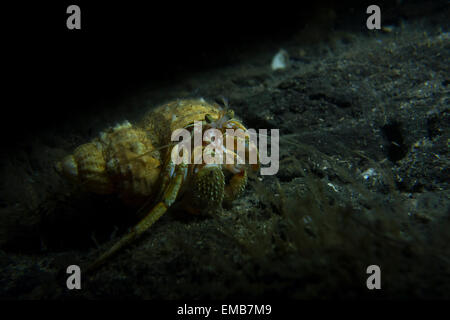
x=332 y=186
x=280 y=60
x=368 y=173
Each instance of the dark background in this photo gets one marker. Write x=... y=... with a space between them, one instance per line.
x=54 y=74
x=60 y=85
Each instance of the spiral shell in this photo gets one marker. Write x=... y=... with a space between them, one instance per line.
x=87 y=166
x=162 y=121
x=126 y=159
x=122 y=160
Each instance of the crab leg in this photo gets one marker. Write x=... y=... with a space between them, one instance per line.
x=249 y=148
x=235 y=186
x=238 y=181
x=169 y=196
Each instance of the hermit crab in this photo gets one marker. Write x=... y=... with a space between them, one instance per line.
x=141 y=163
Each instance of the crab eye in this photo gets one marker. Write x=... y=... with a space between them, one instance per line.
x=230 y=113
x=208 y=118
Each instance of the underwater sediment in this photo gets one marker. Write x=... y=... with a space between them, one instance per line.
x=363 y=180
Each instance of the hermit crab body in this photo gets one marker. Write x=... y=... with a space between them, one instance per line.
x=135 y=162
